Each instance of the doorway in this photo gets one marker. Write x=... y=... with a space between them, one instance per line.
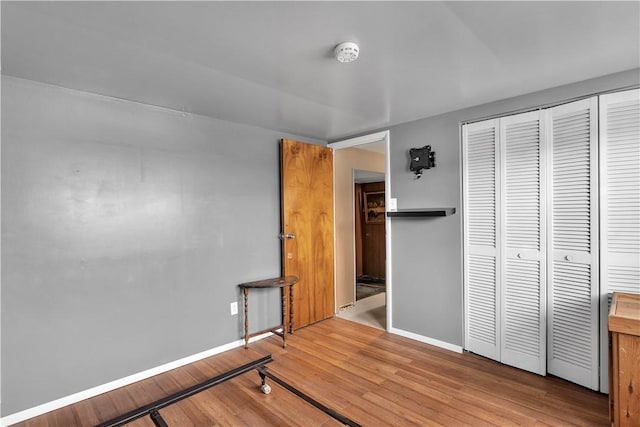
x=363 y=285
x=369 y=236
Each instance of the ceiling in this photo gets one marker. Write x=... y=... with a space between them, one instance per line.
x=364 y=177
x=270 y=64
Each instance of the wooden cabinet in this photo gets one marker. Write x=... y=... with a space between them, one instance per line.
x=624 y=360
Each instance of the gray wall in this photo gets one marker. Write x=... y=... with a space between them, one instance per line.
x=427 y=253
x=125 y=231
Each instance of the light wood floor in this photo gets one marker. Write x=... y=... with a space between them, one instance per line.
x=370 y=376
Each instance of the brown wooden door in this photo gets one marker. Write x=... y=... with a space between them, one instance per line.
x=307 y=215
x=372 y=237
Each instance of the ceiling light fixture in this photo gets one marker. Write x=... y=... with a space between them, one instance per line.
x=346 y=52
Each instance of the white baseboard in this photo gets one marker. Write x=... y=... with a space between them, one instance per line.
x=94 y=391
x=426 y=340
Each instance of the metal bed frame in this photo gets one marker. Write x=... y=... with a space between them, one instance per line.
x=152 y=409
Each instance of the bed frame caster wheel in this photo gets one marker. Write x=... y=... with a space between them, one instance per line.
x=266 y=389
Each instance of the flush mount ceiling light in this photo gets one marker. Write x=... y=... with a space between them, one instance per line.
x=346 y=52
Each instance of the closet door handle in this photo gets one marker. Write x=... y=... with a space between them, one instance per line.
x=568 y=257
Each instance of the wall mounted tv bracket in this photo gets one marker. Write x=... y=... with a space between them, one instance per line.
x=421 y=158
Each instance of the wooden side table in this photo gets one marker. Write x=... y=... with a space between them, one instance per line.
x=287 y=307
x=624 y=360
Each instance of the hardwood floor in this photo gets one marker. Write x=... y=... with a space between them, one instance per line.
x=370 y=376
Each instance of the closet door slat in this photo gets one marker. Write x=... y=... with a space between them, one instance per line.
x=523 y=293
x=572 y=351
x=619 y=205
x=481 y=236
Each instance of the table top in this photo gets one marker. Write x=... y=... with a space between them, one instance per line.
x=624 y=315
x=275 y=282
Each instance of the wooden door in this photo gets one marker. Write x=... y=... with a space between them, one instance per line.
x=307 y=220
x=373 y=232
x=358 y=209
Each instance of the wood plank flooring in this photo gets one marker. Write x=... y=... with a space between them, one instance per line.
x=368 y=375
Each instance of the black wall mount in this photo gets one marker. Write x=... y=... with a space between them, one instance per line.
x=421 y=158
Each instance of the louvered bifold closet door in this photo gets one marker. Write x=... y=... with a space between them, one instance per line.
x=523 y=294
x=619 y=204
x=572 y=310
x=481 y=237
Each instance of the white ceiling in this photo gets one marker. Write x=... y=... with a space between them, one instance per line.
x=270 y=63
x=364 y=177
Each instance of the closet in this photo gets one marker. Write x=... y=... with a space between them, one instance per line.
x=531 y=227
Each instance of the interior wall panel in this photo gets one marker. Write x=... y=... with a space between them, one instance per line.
x=126 y=229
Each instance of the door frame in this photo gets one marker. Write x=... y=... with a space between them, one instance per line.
x=354 y=142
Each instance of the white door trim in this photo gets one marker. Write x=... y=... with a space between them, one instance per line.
x=367 y=139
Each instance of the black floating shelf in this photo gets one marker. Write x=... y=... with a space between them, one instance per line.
x=415 y=213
